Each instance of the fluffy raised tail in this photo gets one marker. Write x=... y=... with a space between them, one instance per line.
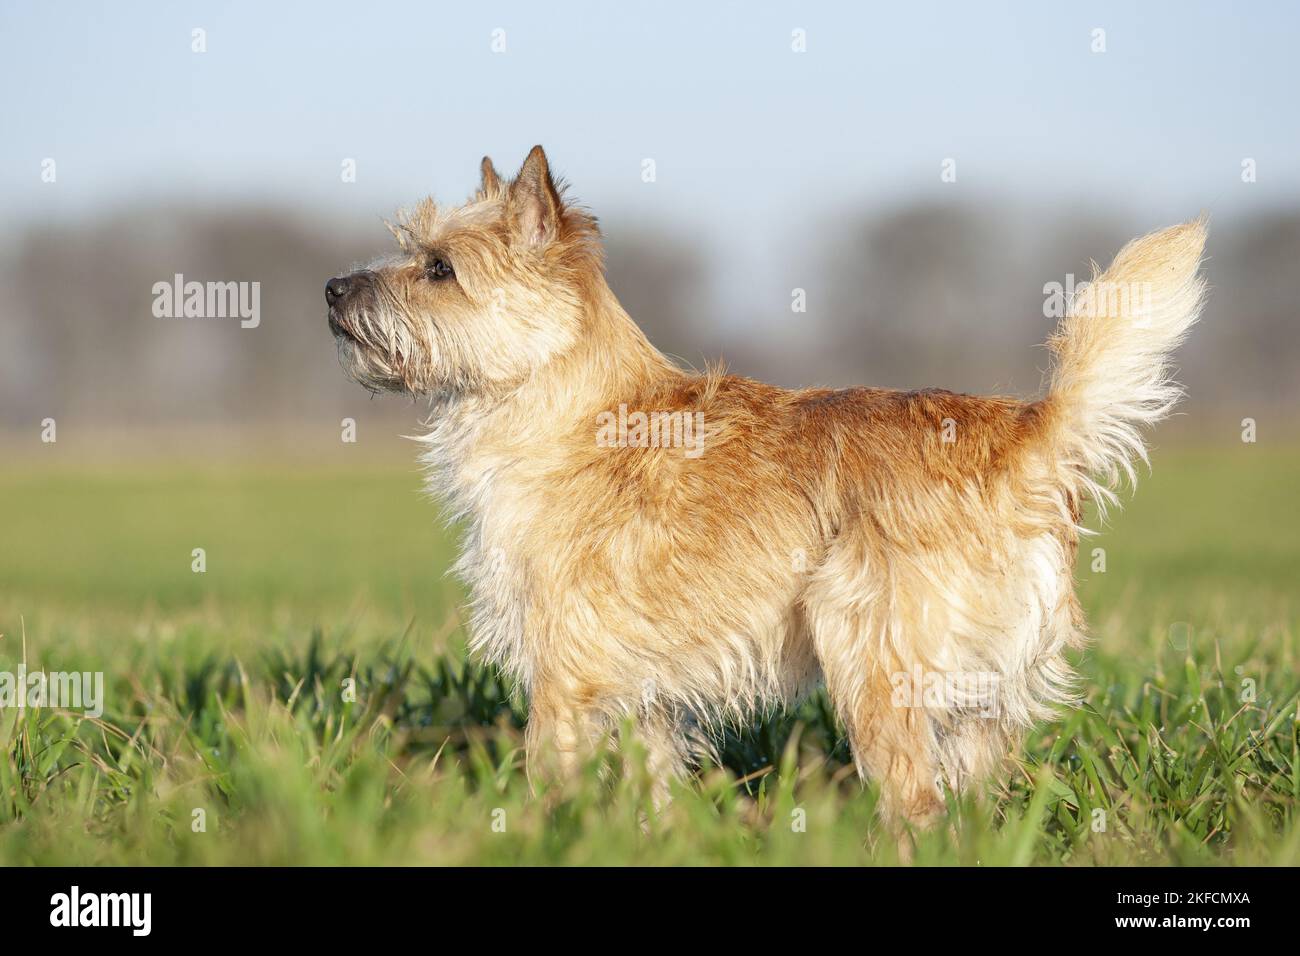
x=1112 y=372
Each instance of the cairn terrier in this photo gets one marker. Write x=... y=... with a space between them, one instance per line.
x=685 y=549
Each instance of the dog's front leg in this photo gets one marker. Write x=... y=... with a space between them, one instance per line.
x=665 y=756
x=556 y=738
x=565 y=728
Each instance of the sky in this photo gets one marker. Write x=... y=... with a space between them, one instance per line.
x=752 y=143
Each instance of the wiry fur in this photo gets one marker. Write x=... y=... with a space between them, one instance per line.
x=822 y=535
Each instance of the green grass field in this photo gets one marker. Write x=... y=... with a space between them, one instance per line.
x=225 y=699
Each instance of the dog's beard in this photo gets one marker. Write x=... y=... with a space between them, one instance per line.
x=383 y=347
x=379 y=352
x=356 y=362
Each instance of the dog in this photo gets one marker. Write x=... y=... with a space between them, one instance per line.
x=684 y=549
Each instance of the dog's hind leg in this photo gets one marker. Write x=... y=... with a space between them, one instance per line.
x=893 y=742
x=894 y=746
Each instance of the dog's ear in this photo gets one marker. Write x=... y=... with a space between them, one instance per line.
x=534 y=201
x=490 y=185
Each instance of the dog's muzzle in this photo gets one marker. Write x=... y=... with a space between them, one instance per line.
x=337 y=289
x=339 y=292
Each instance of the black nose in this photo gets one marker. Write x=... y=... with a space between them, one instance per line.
x=336 y=289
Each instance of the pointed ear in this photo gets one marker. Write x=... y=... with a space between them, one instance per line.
x=490 y=184
x=534 y=201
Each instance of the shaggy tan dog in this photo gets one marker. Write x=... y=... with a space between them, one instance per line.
x=687 y=548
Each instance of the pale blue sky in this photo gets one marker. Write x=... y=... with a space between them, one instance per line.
x=737 y=124
x=757 y=148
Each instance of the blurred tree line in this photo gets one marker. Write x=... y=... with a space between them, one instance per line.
x=920 y=295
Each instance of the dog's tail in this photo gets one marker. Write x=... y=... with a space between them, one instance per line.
x=1112 y=373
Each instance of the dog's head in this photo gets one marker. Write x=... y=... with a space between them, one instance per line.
x=479 y=297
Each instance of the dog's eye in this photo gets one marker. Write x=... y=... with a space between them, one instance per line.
x=439 y=269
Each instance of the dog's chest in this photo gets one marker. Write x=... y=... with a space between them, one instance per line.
x=499 y=603
x=495 y=566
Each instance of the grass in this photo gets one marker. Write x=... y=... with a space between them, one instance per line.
x=225 y=702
